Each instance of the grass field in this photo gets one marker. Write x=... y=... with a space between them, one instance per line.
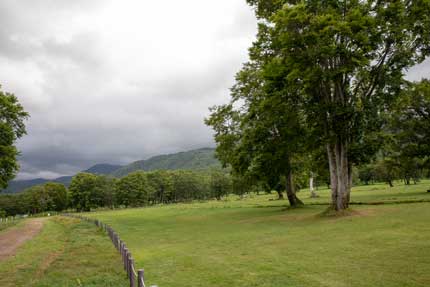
x=66 y=253
x=258 y=242
x=255 y=241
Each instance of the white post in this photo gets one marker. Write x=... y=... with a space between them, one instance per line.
x=311 y=186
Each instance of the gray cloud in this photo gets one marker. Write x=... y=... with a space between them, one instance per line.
x=118 y=81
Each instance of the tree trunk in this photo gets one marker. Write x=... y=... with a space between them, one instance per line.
x=280 y=195
x=340 y=174
x=407 y=181
x=291 y=191
x=311 y=186
x=390 y=182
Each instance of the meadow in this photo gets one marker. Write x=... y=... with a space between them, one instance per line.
x=384 y=240
x=257 y=241
x=67 y=252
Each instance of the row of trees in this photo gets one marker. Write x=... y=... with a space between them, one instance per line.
x=88 y=191
x=36 y=199
x=325 y=91
x=148 y=188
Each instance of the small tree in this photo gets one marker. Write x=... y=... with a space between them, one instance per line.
x=12 y=117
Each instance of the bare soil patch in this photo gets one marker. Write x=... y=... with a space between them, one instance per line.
x=11 y=240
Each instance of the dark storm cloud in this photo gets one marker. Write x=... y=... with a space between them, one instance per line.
x=118 y=81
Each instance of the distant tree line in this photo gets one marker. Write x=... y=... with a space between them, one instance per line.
x=89 y=191
x=36 y=199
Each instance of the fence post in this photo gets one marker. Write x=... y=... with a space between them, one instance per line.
x=132 y=278
x=128 y=265
x=126 y=259
x=141 y=278
x=122 y=253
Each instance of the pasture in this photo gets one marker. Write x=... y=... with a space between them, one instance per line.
x=384 y=240
x=257 y=241
x=67 y=252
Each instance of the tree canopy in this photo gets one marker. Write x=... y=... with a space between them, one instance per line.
x=330 y=68
x=12 y=127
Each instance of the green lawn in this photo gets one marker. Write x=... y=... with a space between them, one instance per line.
x=67 y=252
x=255 y=241
x=258 y=242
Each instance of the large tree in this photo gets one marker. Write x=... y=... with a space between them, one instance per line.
x=344 y=62
x=258 y=133
x=12 y=117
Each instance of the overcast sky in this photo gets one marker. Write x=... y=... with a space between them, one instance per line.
x=118 y=81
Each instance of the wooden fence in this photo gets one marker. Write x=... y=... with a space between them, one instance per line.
x=10 y=220
x=137 y=279
x=5 y=220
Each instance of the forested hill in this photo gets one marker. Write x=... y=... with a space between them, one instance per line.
x=192 y=160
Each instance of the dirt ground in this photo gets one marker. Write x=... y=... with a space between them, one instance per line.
x=11 y=240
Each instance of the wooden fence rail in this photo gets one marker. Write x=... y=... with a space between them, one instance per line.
x=137 y=279
x=9 y=219
x=14 y=218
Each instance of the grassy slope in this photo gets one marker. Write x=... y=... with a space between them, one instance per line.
x=66 y=253
x=233 y=243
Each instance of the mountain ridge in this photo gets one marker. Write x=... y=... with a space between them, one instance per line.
x=196 y=159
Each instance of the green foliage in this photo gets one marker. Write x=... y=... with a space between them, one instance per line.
x=405 y=154
x=141 y=188
x=220 y=184
x=86 y=191
x=191 y=160
x=190 y=185
x=134 y=190
x=321 y=74
x=410 y=122
x=260 y=140
x=12 y=117
x=36 y=199
x=58 y=194
x=241 y=185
